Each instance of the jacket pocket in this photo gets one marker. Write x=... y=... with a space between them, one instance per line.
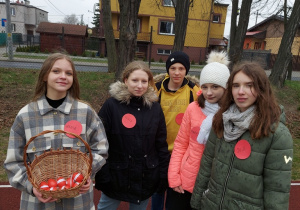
x=239 y=204
x=38 y=146
x=151 y=173
x=119 y=175
x=74 y=143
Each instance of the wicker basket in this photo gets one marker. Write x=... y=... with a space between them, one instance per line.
x=58 y=163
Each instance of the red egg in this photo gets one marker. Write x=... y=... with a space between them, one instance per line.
x=44 y=186
x=69 y=182
x=52 y=183
x=75 y=184
x=77 y=177
x=53 y=188
x=61 y=182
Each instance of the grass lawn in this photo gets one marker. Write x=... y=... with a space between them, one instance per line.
x=17 y=87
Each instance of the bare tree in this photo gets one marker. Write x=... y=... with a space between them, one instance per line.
x=278 y=74
x=71 y=19
x=182 y=8
x=238 y=32
x=109 y=37
x=128 y=33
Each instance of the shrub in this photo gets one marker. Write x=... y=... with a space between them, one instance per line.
x=160 y=60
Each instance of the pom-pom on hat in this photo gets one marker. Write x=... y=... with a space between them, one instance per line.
x=178 y=57
x=216 y=70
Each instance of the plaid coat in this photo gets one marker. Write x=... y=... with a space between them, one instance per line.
x=38 y=116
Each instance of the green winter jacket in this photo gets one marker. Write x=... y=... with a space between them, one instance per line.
x=262 y=181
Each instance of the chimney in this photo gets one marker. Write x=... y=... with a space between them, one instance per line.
x=27 y=2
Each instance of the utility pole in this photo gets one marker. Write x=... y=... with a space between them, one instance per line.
x=9 y=42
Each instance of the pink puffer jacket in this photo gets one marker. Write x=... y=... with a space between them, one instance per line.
x=185 y=160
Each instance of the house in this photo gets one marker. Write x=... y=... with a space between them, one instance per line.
x=267 y=35
x=58 y=36
x=24 y=19
x=205 y=28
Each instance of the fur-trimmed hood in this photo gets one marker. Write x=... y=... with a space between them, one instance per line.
x=119 y=91
x=162 y=76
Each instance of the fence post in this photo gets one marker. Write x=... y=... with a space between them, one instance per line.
x=8 y=31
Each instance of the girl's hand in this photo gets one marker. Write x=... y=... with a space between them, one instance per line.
x=84 y=188
x=178 y=189
x=39 y=196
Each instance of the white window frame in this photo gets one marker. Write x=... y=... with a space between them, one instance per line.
x=164 y=52
x=168 y=3
x=138 y=25
x=216 y=21
x=171 y=29
x=13 y=27
x=13 y=11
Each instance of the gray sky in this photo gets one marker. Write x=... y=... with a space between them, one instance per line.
x=58 y=9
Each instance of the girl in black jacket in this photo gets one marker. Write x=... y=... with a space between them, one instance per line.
x=138 y=152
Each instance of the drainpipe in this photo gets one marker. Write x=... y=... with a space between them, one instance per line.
x=208 y=32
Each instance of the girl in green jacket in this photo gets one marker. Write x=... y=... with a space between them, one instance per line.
x=247 y=161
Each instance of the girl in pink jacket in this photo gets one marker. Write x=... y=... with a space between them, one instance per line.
x=194 y=130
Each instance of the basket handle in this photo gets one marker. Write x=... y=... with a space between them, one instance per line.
x=57 y=131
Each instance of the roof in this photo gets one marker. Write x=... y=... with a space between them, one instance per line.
x=256 y=34
x=273 y=17
x=24 y=5
x=56 y=28
x=219 y=42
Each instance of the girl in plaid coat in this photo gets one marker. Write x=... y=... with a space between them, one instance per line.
x=55 y=104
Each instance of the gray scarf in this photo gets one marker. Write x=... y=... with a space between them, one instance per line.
x=209 y=110
x=236 y=122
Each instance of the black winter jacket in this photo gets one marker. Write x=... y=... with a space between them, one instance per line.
x=138 y=156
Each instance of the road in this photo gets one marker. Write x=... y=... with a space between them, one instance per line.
x=103 y=67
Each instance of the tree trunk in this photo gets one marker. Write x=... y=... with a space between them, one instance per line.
x=109 y=37
x=278 y=73
x=181 y=20
x=128 y=33
x=238 y=33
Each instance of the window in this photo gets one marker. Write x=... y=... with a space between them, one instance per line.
x=138 y=25
x=166 y=28
x=13 y=11
x=257 y=45
x=216 y=19
x=13 y=27
x=164 y=52
x=169 y=3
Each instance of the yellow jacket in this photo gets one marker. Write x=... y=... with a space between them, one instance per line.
x=174 y=104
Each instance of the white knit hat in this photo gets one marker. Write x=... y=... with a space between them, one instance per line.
x=216 y=71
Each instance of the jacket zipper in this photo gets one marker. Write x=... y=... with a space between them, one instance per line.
x=226 y=180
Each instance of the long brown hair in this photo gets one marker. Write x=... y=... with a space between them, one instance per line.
x=136 y=65
x=267 y=110
x=41 y=86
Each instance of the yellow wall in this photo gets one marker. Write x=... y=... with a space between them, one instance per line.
x=273 y=44
x=217 y=29
x=197 y=28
